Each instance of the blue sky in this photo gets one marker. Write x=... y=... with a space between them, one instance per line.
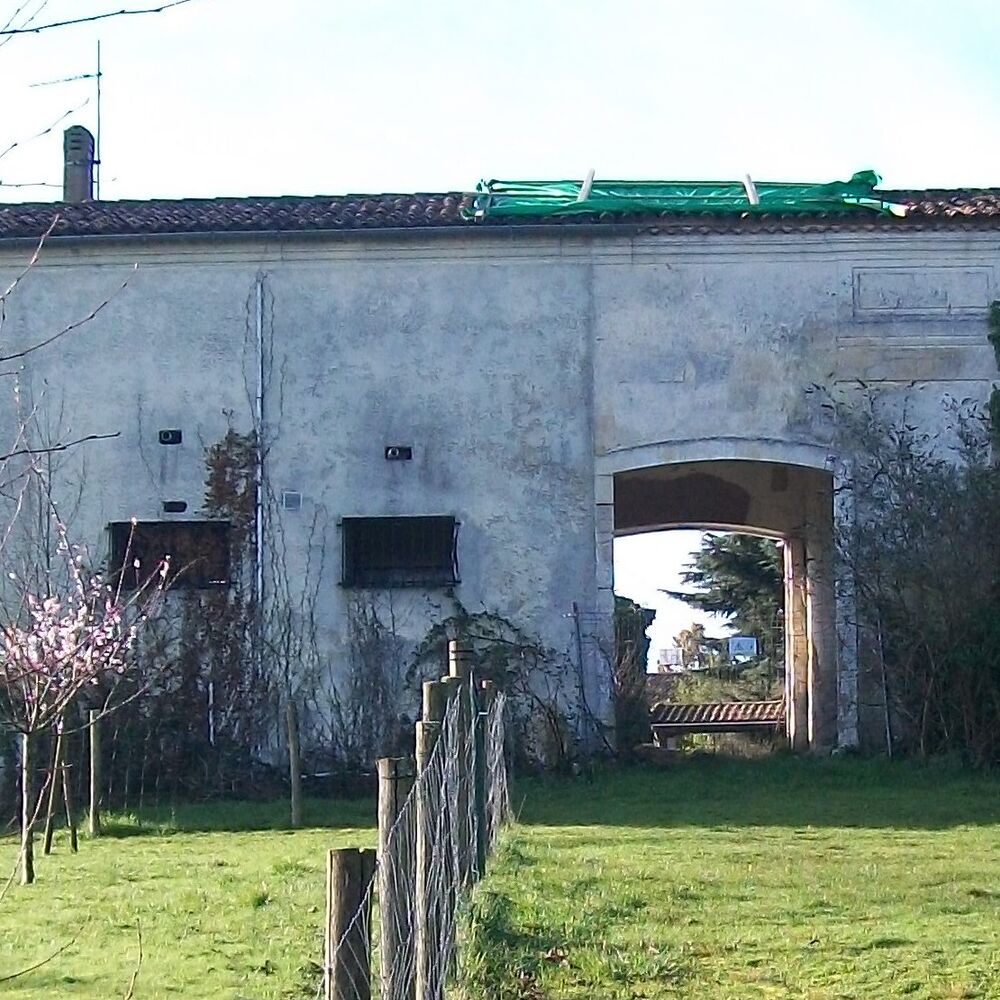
x=330 y=96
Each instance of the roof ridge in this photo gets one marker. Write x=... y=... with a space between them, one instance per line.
x=966 y=208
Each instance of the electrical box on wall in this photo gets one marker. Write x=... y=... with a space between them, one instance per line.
x=172 y=436
x=398 y=453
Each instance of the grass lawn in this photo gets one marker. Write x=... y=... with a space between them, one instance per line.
x=722 y=878
x=230 y=904
x=719 y=878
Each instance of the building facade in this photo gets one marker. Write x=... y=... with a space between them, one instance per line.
x=459 y=414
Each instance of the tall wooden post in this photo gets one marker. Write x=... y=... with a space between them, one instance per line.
x=94 y=820
x=396 y=826
x=461 y=744
x=348 y=936
x=460 y=660
x=294 y=763
x=429 y=968
x=481 y=777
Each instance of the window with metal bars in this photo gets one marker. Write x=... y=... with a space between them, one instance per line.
x=400 y=551
x=198 y=550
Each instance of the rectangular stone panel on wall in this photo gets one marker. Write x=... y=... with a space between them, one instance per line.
x=888 y=293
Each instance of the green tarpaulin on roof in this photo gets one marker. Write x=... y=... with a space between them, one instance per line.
x=508 y=199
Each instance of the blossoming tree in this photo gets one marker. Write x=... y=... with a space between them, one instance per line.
x=72 y=642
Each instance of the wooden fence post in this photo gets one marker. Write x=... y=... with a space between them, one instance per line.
x=348 y=913
x=67 y=786
x=294 y=763
x=429 y=976
x=94 y=820
x=460 y=657
x=53 y=789
x=481 y=777
x=435 y=703
x=460 y=660
x=460 y=692
x=395 y=875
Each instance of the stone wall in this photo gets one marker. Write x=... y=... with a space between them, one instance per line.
x=526 y=371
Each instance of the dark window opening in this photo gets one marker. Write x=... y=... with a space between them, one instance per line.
x=198 y=550
x=400 y=551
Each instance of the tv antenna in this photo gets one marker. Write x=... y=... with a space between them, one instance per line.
x=96 y=76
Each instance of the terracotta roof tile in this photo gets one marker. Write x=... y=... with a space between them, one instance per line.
x=714 y=713
x=931 y=209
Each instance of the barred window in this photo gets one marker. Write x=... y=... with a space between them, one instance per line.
x=198 y=550
x=400 y=551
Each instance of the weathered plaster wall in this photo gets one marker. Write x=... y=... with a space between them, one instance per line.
x=525 y=370
x=483 y=367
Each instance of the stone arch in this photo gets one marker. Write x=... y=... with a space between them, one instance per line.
x=780 y=489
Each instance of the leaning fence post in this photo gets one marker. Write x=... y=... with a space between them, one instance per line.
x=396 y=826
x=349 y=872
x=94 y=820
x=429 y=975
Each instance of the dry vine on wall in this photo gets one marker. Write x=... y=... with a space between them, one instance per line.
x=544 y=705
x=927 y=579
x=199 y=731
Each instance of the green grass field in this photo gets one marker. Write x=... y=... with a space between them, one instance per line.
x=718 y=878
x=780 y=878
x=229 y=903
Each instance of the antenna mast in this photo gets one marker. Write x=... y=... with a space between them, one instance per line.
x=97 y=137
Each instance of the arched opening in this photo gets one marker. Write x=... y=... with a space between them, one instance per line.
x=792 y=503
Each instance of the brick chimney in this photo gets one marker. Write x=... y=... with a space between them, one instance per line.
x=78 y=164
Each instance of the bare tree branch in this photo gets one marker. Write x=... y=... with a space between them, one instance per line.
x=45 y=131
x=28 y=18
x=31 y=263
x=124 y=12
x=59 y=446
x=38 y=965
x=30 y=184
x=69 y=328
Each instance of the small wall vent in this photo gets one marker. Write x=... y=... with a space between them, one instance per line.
x=174 y=506
x=291 y=500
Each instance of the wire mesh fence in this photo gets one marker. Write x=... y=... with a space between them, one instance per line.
x=392 y=922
